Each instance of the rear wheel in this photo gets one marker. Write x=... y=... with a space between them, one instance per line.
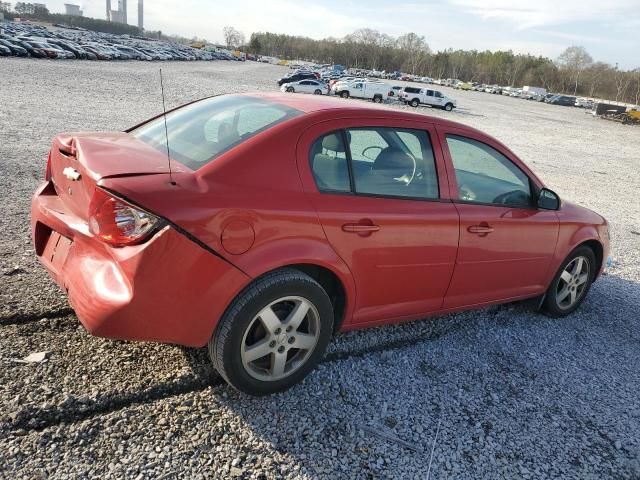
x=344 y=94
x=571 y=284
x=274 y=333
x=317 y=92
x=290 y=90
x=377 y=99
x=414 y=103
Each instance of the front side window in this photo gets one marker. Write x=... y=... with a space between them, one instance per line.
x=201 y=131
x=486 y=176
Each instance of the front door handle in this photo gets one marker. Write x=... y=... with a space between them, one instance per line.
x=364 y=228
x=482 y=229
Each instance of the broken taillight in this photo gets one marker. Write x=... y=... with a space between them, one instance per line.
x=117 y=222
x=47 y=172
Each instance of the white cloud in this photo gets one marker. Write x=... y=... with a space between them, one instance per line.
x=523 y=14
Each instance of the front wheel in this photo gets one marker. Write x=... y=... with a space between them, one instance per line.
x=571 y=284
x=273 y=334
x=317 y=92
x=448 y=107
x=344 y=94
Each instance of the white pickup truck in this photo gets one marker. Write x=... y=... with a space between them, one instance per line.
x=376 y=91
x=425 y=96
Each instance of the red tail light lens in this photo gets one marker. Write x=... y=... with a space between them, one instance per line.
x=118 y=223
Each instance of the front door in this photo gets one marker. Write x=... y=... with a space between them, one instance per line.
x=506 y=243
x=376 y=190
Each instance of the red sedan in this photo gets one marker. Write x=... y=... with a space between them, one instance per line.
x=286 y=219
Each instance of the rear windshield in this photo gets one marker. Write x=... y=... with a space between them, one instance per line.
x=203 y=130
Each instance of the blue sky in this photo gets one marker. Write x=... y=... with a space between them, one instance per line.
x=609 y=30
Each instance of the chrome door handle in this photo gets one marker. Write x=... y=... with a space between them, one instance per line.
x=359 y=228
x=479 y=229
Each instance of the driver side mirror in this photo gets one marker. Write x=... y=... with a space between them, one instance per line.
x=548 y=200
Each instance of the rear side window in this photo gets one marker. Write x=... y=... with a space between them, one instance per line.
x=203 y=130
x=376 y=161
x=412 y=90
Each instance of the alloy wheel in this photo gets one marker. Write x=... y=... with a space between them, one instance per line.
x=572 y=282
x=280 y=338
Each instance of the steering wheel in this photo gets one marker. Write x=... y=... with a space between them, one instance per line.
x=364 y=152
x=465 y=193
x=403 y=178
x=514 y=197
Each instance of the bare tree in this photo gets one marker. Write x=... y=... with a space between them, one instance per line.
x=232 y=37
x=574 y=60
x=415 y=49
x=622 y=79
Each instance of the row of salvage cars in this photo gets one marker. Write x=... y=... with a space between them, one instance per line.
x=27 y=40
x=368 y=89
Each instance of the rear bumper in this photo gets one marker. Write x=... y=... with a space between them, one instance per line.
x=168 y=289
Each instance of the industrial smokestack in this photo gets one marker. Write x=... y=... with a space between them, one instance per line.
x=108 y=10
x=124 y=11
x=140 y=14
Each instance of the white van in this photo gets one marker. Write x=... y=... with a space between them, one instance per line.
x=376 y=91
x=425 y=96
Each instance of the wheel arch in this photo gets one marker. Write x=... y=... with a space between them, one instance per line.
x=571 y=238
x=598 y=251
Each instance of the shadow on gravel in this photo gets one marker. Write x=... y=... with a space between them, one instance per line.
x=22 y=318
x=80 y=408
x=77 y=409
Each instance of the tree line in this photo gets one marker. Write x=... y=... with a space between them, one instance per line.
x=573 y=72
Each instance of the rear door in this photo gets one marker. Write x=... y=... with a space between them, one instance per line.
x=381 y=195
x=506 y=243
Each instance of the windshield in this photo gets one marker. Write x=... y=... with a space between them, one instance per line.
x=203 y=130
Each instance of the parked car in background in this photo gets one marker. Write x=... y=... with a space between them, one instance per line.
x=296 y=77
x=315 y=87
x=584 y=102
x=495 y=89
x=285 y=221
x=14 y=48
x=376 y=91
x=395 y=90
x=564 y=100
x=5 y=51
x=426 y=96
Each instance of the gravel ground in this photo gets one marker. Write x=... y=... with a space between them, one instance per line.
x=497 y=393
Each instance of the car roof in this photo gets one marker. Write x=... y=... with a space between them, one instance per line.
x=322 y=103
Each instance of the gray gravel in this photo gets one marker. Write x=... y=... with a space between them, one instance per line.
x=497 y=393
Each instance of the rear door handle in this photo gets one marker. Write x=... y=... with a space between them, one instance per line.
x=480 y=229
x=363 y=229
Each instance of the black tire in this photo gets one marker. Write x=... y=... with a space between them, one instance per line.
x=290 y=90
x=415 y=102
x=317 y=92
x=377 y=99
x=226 y=344
x=344 y=94
x=550 y=305
x=448 y=107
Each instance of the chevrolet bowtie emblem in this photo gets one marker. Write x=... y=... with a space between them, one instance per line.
x=71 y=173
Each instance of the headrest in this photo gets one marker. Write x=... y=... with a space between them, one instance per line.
x=333 y=142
